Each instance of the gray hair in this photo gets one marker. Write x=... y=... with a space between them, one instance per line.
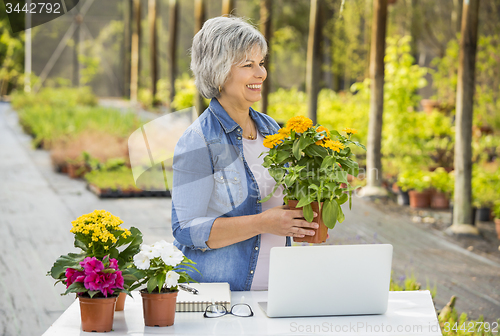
x=221 y=42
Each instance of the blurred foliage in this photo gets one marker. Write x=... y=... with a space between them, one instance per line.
x=485 y=185
x=487 y=89
x=11 y=56
x=60 y=112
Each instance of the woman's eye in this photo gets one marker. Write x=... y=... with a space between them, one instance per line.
x=261 y=64
x=248 y=65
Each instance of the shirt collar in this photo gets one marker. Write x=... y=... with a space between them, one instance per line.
x=229 y=125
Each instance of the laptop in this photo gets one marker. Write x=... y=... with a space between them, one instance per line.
x=328 y=280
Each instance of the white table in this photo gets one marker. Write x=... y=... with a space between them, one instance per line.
x=409 y=313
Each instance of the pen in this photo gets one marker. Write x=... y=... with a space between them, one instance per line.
x=188 y=289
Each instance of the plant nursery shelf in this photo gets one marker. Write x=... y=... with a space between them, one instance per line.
x=121 y=193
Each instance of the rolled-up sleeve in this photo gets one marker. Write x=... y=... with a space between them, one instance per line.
x=193 y=184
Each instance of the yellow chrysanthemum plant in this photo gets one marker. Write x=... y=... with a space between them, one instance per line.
x=99 y=235
x=312 y=163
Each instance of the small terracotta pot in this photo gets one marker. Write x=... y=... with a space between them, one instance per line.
x=321 y=232
x=420 y=199
x=439 y=200
x=159 y=308
x=97 y=314
x=497 y=226
x=120 y=301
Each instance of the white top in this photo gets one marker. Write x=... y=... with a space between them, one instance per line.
x=251 y=150
x=408 y=313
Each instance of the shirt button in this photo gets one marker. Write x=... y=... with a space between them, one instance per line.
x=221 y=177
x=239 y=138
x=251 y=272
x=236 y=179
x=256 y=248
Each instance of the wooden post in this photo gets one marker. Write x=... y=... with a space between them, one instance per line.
x=172 y=48
x=313 y=66
x=462 y=209
x=153 y=46
x=136 y=36
x=377 y=52
x=228 y=7
x=265 y=29
x=199 y=19
x=127 y=35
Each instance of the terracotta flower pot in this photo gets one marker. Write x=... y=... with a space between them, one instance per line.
x=321 y=232
x=120 y=302
x=497 y=226
x=439 y=200
x=159 y=308
x=420 y=199
x=97 y=314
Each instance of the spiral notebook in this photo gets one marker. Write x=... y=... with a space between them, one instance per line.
x=208 y=293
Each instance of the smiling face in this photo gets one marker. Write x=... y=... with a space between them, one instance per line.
x=244 y=84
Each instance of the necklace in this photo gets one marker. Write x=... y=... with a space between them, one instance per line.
x=251 y=136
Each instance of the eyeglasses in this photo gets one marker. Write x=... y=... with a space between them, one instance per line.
x=239 y=309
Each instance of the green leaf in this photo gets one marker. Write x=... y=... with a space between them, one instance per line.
x=308 y=212
x=315 y=150
x=349 y=165
x=282 y=156
x=296 y=149
x=340 y=216
x=277 y=174
x=350 y=199
x=342 y=199
x=160 y=278
x=132 y=249
x=75 y=287
x=71 y=260
x=330 y=213
x=303 y=201
x=80 y=244
x=92 y=293
x=329 y=161
x=152 y=284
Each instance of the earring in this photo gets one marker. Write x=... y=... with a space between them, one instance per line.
x=220 y=89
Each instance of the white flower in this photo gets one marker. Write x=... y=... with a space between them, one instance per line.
x=162 y=244
x=172 y=256
x=141 y=261
x=172 y=279
x=150 y=250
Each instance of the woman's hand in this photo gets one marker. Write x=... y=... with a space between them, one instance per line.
x=282 y=221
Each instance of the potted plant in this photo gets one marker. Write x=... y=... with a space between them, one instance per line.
x=484 y=191
x=97 y=273
x=161 y=267
x=496 y=214
x=443 y=184
x=418 y=183
x=311 y=163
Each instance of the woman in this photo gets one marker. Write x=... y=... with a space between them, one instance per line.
x=218 y=182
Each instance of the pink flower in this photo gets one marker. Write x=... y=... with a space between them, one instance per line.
x=113 y=263
x=92 y=265
x=104 y=282
x=73 y=275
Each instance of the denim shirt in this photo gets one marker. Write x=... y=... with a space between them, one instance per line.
x=212 y=179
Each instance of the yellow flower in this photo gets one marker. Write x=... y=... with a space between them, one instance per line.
x=272 y=140
x=350 y=131
x=299 y=124
x=284 y=131
x=334 y=145
x=322 y=129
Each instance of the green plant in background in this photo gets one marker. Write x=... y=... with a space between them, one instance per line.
x=11 y=56
x=414 y=179
x=443 y=181
x=54 y=113
x=485 y=186
x=496 y=208
x=185 y=91
x=487 y=89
